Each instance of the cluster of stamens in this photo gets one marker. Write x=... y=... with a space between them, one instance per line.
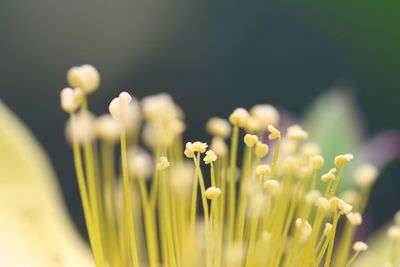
x=266 y=211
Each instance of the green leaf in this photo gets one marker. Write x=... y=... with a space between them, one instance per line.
x=334 y=123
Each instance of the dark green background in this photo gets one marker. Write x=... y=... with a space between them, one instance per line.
x=212 y=56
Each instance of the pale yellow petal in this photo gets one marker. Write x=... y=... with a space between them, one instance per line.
x=35 y=229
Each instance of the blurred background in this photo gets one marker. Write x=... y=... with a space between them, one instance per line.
x=211 y=56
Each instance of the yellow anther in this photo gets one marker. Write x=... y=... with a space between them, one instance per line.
x=81 y=128
x=118 y=105
x=354 y=218
x=218 y=127
x=189 y=151
x=263 y=170
x=323 y=204
x=328 y=176
x=266 y=115
x=360 y=246
x=310 y=149
x=250 y=140
x=334 y=203
x=71 y=99
x=219 y=146
x=297 y=133
x=317 y=161
x=213 y=192
x=341 y=160
x=394 y=232
x=365 y=175
x=261 y=149
x=274 y=133
x=140 y=163
x=252 y=125
x=350 y=196
x=162 y=163
x=272 y=186
x=160 y=107
x=345 y=208
x=312 y=196
x=108 y=128
x=199 y=147
x=239 y=117
x=210 y=157
x=85 y=77
x=304 y=172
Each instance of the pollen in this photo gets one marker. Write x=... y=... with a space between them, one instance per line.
x=354 y=218
x=140 y=163
x=250 y=140
x=218 y=127
x=327 y=176
x=263 y=170
x=360 y=246
x=239 y=117
x=365 y=175
x=219 y=146
x=189 y=151
x=272 y=186
x=213 y=192
x=312 y=196
x=341 y=160
x=334 y=203
x=317 y=161
x=162 y=163
x=210 y=157
x=199 y=147
x=71 y=99
x=323 y=204
x=297 y=133
x=345 y=208
x=394 y=232
x=266 y=115
x=310 y=149
x=119 y=104
x=253 y=125
x=81 y=128
x=274 y=133
x=107 y=128
x=85 y=77
x=261 y=149
x=351 y=196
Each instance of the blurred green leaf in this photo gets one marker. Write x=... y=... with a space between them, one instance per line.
x=334 y=123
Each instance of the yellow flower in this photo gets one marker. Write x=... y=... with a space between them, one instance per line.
x=269 y=213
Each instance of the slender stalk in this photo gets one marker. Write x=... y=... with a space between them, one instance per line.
x=128 y=208
x=232 y=182
x=93 y=236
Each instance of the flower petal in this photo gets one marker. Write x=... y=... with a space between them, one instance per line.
x=35 y=229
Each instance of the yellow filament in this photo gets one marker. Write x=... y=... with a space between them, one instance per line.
x=128 y=209
x=232 y=182
x=93 y=235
